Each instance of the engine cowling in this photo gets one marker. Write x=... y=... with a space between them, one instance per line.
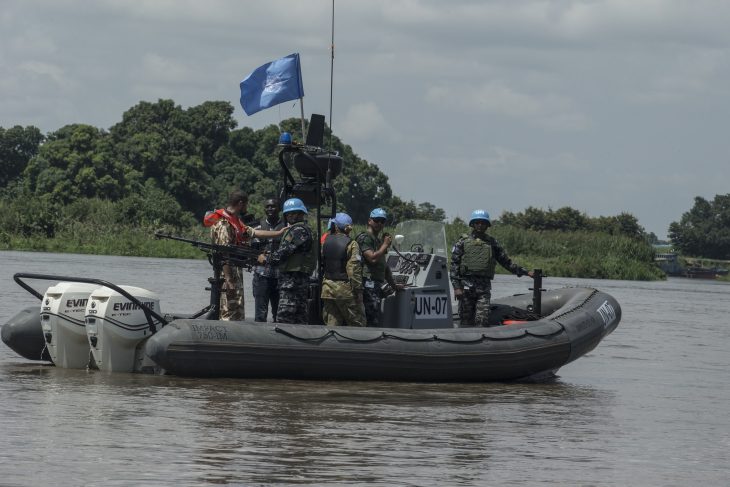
x=115 y=326
x=62 y=321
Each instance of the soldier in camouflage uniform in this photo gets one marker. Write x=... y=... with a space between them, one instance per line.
x=342 y=283
x=473 y=260
x=375 y=272
x=296 y=260
x=227 y=228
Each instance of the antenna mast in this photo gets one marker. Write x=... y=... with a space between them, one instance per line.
x=332 y=70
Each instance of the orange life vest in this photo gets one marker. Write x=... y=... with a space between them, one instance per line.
x=213 y=217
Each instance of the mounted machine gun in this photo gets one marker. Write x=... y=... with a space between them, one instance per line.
x=218 y=256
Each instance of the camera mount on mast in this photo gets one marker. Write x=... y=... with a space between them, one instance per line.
x=315 y=166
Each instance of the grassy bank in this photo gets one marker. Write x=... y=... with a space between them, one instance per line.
x=566 y=254
x=575 y=254
x=112 y=240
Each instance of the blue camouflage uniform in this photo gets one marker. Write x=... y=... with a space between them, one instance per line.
x=295 y=258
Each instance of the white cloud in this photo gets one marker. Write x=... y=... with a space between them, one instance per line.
x=569 y=98
x=688 y=73
x=37 y=71
x=157 y=68
x=363 y=122
x=549 y=110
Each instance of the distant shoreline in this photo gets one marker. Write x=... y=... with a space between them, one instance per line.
x=588 y=255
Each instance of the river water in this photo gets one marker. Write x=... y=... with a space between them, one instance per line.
x=650 y=406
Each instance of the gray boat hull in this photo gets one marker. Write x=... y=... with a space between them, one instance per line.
x=24 y=335
x=577 y=320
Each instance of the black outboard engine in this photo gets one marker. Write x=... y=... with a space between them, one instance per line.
x=316 y=169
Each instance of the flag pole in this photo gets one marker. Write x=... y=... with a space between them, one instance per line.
x=301 y=105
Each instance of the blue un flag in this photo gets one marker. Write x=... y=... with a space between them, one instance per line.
x=271 y=84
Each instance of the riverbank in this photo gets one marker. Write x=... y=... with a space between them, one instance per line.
x=677 y=265
x=567 y=254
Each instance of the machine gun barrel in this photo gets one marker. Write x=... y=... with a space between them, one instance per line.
x=242 y=256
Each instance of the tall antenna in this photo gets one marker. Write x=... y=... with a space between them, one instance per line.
x=332 y=70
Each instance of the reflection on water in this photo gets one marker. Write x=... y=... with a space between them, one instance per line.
x=644 y=408
x=227 y=431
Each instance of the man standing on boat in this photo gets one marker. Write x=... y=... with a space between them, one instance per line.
x=375 y=272
x=342 y=283
x=296 y=260
x=473 y=260
x=227 y=228
x=266 y=277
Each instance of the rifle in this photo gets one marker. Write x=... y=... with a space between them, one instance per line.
x=218 y=256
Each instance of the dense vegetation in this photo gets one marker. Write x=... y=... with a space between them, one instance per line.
x=567 y=219
x=184 y=162
x=569 y=254
x=573 y=253
x=704 y=231
x=85 y=189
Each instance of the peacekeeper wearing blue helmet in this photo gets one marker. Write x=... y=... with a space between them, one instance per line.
x=473 y=260
x=296 y=260
x=375 y=272
x=342 y=282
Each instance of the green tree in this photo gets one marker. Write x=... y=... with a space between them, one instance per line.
x=17 y=146
x=195 y=156
x=14 y=213
x=428 y=211
x=622 y=224
x=408 y=210
x=568 y=219
x=210 y=123
x=181 y=150
x=401 y=210
x=704 y=231
x=76 y=162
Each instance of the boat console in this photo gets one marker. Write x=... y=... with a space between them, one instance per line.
x=418 y=261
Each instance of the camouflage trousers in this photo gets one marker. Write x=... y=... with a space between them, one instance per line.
x=293 y=297
x=337 y=312
x=372 y=296
x=474 y=306
x=232 y=309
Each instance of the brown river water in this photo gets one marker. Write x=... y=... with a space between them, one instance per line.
x=650 y=406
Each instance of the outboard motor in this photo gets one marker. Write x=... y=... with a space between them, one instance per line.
x=62 y=321
x=116 y=326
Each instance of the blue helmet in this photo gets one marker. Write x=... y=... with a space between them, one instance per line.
x=342 y=220
x=479 y=215
x=294 y=204
x=378 y=213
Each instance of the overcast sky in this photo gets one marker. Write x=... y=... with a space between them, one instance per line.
x=603 y=106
